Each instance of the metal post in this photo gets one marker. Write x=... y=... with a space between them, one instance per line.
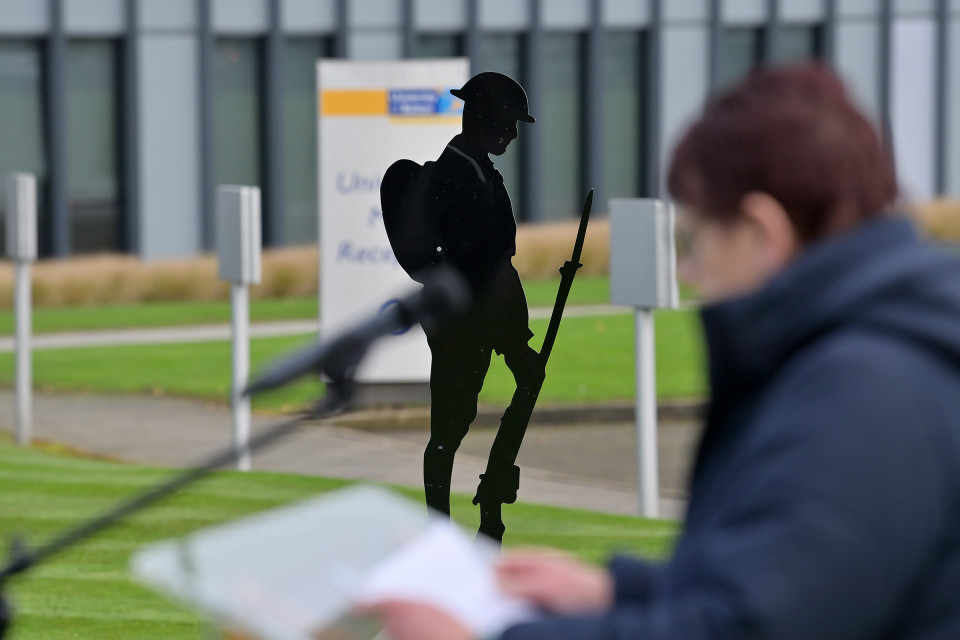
x=240 y=330
x=942 y=84
x=205 y=51
x=592 y=121
x=531 y=148
x=22 y=250
x=654 y=96
x=130 y=220
x=647 y=479
x=238 y=248
x=771 y=33
x=24 y=381
x=275 y=210
x=714 y=50
x=60 y=240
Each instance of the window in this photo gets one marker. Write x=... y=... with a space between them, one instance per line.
x=623 y=58
x=799 y=43
x=21 y=125
x=300 y=137
x=561 y=126
x=438 y=45
x=501 y=53
x=741 y=49
x=92 y=112
x=237 y=112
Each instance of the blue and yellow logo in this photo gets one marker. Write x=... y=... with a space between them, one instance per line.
x=390 y=102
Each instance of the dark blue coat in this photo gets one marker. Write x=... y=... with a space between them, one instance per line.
x=825 y=499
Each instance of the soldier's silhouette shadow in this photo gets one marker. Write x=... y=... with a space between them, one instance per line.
x=456 y=212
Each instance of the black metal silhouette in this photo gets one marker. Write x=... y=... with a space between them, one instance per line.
x=456 y=211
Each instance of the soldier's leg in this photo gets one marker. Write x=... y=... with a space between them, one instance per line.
x=501 y=480
x=456 y=377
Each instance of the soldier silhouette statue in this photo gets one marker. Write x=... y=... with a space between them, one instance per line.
x=456 y=211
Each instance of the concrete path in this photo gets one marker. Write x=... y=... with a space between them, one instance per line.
x=583 y=466
x=218 y=332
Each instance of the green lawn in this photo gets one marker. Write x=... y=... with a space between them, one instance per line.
x=593 y=360
x=540 y=293
x=87 y=593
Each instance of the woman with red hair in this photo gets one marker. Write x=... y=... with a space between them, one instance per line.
x=825 y=496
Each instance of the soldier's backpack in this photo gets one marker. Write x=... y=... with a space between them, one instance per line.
x=411 y=223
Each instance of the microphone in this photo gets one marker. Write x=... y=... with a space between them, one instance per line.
x=444 y=294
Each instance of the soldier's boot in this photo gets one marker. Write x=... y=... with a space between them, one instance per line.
x=437 y=470
x=496 y=489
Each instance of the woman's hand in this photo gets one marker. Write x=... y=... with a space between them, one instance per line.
x=406 y=620
x=555 y=581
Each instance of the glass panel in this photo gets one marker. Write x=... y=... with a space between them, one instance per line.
x=92 y=140
x=622 y=91
x=236 y=112
x=438 y=45
x=21 y=125
x=300 y=137
x=561 y=109
x=501 y=53
x=799 y=43
x=740 y=51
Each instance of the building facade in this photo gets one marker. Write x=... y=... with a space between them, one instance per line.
x=130 y=112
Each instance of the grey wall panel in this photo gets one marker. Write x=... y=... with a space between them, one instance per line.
x=801 y=11
x=857 y=8
x=309 y=16
x=240 y=17
x=93 y=17
x=624 y=15
x=912 y=105
x=169 y=134
x=565 y=14
x=857 y=51
x=953 y=110
x=744 y=11
x=914 y=7
x=502 y=15
x=684 y=10
x=168 y=15
x=375 y=45
x=685 y=84
x=23 y=17
x=443 y=15
x=375 y=14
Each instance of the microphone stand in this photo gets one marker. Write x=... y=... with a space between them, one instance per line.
x=22 y=558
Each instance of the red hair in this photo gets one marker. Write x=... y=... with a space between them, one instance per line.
x=794 y=134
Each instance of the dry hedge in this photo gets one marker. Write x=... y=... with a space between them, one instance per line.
x=116 y=279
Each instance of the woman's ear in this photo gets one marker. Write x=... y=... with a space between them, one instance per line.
x=775 y=241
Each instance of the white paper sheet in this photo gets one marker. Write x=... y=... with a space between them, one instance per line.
x=444 y=568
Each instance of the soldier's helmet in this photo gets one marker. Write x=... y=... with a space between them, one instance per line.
x=497 y=93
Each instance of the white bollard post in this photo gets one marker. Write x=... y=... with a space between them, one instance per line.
x=643 y=275
x=238 y=247
x=648 y=483
x=22 y=249
x=240 y=326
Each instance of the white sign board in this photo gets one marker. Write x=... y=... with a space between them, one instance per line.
x=21 y=217
x=371 y=115
x=643 y=256
x=238 y=234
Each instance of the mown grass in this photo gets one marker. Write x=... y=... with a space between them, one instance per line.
x=593 y=361
x=540 y=293
x=587 y=289
x=88 y=592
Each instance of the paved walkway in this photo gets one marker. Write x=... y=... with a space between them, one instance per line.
x=217 y=332
x=583 y=466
